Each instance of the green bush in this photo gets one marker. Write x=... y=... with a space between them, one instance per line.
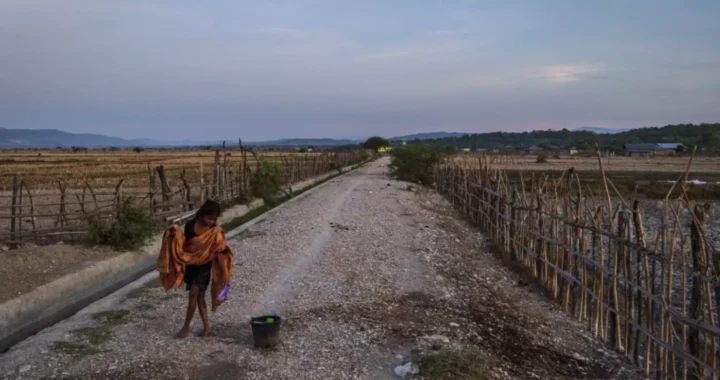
x=268 y=181
x=131 y=228
x=414 y=163
x=376 y=142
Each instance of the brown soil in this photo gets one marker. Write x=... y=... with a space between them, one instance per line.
x=27 y=268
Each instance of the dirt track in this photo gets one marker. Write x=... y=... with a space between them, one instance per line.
x=365 y=274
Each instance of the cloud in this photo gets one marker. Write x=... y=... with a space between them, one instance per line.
x=443 y=48
x=533 y=76
x=450 y=33
x=570 y=73
x=282 y=33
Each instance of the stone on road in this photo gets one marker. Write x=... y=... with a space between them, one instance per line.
x=363 y=274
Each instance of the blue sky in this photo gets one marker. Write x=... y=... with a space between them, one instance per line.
x=173 y=70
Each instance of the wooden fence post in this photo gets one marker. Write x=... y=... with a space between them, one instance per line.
x=164 y=188
x=187 y=198
x=13 y=212
x=696 y=290
x=215 y=176
x=151 y=188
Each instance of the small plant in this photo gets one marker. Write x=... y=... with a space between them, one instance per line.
x=130 y=228
x=454 y=365
x=267 y=181
x=138 y=149
x=541 y=159
x=89 y=340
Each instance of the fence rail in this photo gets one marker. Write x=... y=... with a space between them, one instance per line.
x=651 y=294
x=45 y=217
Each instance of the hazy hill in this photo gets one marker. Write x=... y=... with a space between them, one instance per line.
x=601 y=131
x=53 y=138
x=428 y=136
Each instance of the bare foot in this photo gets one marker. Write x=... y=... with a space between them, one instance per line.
x=207 y=332
x=183 y=333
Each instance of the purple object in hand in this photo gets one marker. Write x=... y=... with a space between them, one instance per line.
x=223 y=293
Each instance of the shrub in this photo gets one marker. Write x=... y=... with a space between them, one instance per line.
x=131 y=228
x=375 y=143
x=138 y=149
x=267 y=181
x=541 y=159
x=414 y=163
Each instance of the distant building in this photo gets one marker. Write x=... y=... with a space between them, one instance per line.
x=465 y=149
x=573 y=151
x=533 y=149
x=639 y=149
x=652 y=149
x=669 y=148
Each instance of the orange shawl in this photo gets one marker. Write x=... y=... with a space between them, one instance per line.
x=210 y=246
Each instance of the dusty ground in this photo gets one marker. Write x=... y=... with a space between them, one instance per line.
x=366 y=275
x=25 y=269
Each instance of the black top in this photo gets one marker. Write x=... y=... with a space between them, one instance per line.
x=190 y=230
x=189 y=235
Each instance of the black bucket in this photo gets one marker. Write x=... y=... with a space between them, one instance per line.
x=266 y=334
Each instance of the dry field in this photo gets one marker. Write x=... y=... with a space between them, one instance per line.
x=91 y=179
x=668 y=164
x=41 y=169
x=649 y=177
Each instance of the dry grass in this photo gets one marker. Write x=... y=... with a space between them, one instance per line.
x=669 y=164
x=42 y=171
x=645 y=177
x=42 y=168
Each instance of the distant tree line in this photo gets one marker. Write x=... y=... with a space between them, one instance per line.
x=702 y=135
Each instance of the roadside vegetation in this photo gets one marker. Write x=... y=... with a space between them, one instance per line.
x=129 y=229
x=415 y=163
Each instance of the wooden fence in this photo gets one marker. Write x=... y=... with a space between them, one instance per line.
x=46 y=216
x=652 y=294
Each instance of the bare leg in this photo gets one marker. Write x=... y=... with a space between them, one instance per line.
x=192 y=305
x=207 y=331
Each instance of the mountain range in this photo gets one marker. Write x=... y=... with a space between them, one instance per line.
x=602 y=131
x=52 y=138
x=428 y=136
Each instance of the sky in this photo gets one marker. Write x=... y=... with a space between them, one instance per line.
x=257 y=70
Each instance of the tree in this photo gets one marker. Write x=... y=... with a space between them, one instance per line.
x=710 y=140
x=375 y=143
x=584 y=146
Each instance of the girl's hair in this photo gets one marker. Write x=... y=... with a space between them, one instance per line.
x=208 y=208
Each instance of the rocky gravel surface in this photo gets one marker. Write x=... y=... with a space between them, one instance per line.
x=368 y=274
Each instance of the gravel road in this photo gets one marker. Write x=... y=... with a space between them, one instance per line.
x=365 y=274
